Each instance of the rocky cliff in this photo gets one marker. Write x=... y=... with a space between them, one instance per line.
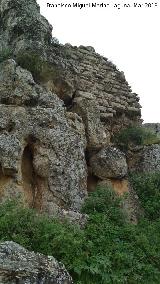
x=56 y=129
x=41 y=151
x=85 y=81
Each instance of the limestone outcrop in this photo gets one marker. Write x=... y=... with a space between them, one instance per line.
x=18 y=265
x=21 y=25
x=41 y=148
x=56 y=129
x=61 y=109
x=81 y=75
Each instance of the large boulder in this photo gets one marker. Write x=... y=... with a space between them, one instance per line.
x=18 y=265
x=109 y=163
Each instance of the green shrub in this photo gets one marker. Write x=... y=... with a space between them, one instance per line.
x=5 y=53
x=147 y=187
x=105 y=201
x=30 y=61
x=106 y=251
x=133 y=136
x=40 y=69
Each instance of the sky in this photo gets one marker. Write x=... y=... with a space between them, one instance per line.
x=128 y=36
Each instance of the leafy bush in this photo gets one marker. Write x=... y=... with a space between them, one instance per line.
x=147 y=187
x=31 y=62
x=135 y=136
x=5 y=53
x=105 y=201
x=40 y=69
x=106 y=251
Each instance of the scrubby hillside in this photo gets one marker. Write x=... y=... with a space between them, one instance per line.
x=108 y=249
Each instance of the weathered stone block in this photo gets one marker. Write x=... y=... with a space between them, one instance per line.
x=109 y=163
x=18 y=265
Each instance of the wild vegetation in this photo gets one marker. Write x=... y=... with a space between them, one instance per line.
x=133 y=136
x=108 y=249
x=5 y=53
x=147 y=187
x=40 y=69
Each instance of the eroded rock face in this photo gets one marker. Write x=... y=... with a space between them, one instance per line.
x=18 y=265
x=109 y=163
x=96 y=135
x=47 y=127
x=98 y=91
x=151 y=158
x=144 y=159
x=82 y=75
x=22 y=26
x=41 y=148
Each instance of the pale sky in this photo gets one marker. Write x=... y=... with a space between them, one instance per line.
x=127 y=36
